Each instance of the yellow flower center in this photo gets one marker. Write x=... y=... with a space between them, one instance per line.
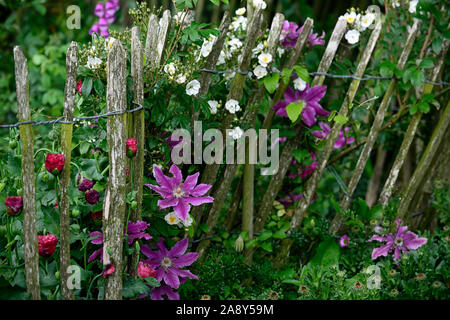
x=178 y=192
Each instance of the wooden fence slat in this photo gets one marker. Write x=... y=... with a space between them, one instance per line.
x=286 y=157
x=151 y=42
x=66 y=148
x=373 y=134
x=163 y=34
x=211 y=170
x=114 y=201
x=28 y=176
x=411 y=131
x=313 y=181
x=425 y=162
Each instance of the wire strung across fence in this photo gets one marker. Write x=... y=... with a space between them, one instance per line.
x=329 y=75
x=75 y=119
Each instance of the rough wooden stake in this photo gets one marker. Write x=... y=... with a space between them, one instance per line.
x=374 y=130
x=114 y=203
x=425 y=163
x=66 y=148
x=388 y=187
x=209 y=175
x=276 y=182
x=151 y=43
x=375 y=179
x=313 y=181
x=163 y=34
x=28 y=177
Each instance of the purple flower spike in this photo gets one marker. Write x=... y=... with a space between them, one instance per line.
x=168 y=263
x=310 y=98
x=400 y=242
x=94 y=29
x=177 y=194
x=111 y=8
x=104 y=33
x=99 y=10
x=102 y=22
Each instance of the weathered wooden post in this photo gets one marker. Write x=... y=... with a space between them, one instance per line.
x=114 y=202
x=66 y=148
x=28 y=176
x=373 y=134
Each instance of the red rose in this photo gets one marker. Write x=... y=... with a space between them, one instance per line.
x=55 y=161
x=92 y=196
x=96 y=215
x=47 y=244
x=14 y=205
x=131 y=147
x=144 y=270
x=79 y=86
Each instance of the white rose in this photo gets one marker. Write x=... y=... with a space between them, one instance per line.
x=232 y=106
x=170 y=68
x=236 y=133
x=240 y=11
x=193 y=87
x=367 y=20
x=259 y=4
x=171 y=218
x=280 y=51
x=264 y=59
x=350 y=17
x=299 y=84
x=109 y=43
x=213 y=106
x=352 y=36
x=180 y=79
x=93 y=63
x=413 y=6
x=188 y=222
x=260 y=72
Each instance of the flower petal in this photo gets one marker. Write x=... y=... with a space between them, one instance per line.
x=190 y=182
x=199 y=200
x=182 y=209
x=171 y=279
x=185 y=260
x=187 y=274
x=166 y=203
x=95 y=254
x=381 y=251
x=200 y=190
x=164 y=192
x=162 y=180
x=179 y=248
x=412 y=241
x=177 y=175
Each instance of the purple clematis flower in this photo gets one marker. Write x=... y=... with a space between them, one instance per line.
x=291 y=31
x=311 y=106
x=344 y=241
x=157 y=293
x=304 y=171
x=342 y=139
x=400 y=242
x=135 y=231
x=290 y=199
x=168 y=263
x=177 y=194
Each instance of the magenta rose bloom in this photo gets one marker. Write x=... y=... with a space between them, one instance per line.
x=47 y=244
x=92 y=196
x=109 y=269
x=14 y=205
x=131 y=147
x=54 y=163
x=86 y=185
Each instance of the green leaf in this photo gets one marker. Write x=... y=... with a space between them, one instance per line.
x=299 y=155
x=86 y=87
x=294 y=282
x=387 y=69
x=271 y=82
x=152 y=282
x=376 y=212
x=407 y=74
x=294 y=109
x=279 y=234
x=251 y=243
x=327 y=254
x=84 y=147
x=267 y=245
x=437 y=45
x=426 y=63
x=99 y=87
x=134 y=287
x=424 y=107
x=413 y=109
x=341 y=119
x=302 y=73
x=286 y=75
x=417 y=78
x=264 y=235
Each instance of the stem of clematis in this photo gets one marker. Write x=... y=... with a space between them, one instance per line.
x=8 y=237
x=129 y=207
x=90 y=285
x=42 y=149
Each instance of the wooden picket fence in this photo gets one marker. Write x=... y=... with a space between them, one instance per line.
x=122 y=125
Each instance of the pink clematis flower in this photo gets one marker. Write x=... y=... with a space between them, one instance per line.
x=168 y=263
x=310 y=98
x=344 y=241
x=177 y=194
x=342 y=139
x=291 y=31
x=400 y=242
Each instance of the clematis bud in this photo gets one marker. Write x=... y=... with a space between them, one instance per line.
x=86 y=185
x=14 y=205
x=79 y=86
x=54 y=163
x=47 y=244
x=92 y=196
x=131 y=147
x=144 y=270
x=109 y=269
x=239 y=244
